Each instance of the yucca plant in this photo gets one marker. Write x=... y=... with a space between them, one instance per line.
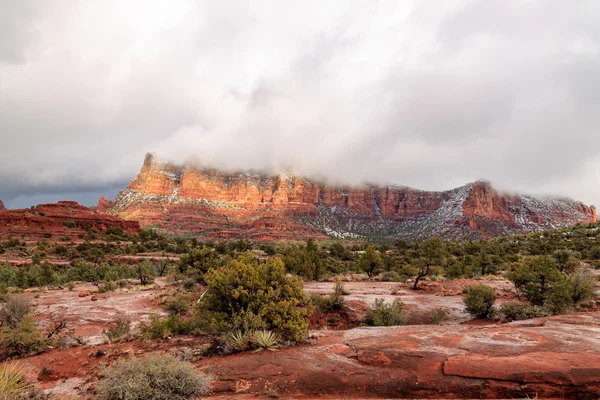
x=265 y=340
x=12 y=381
x=237 y=340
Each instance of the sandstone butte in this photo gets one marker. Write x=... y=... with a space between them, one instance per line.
x=2 y=208
x=65 y=218
x=187 y=199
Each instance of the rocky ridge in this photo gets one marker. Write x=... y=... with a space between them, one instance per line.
x=63 y=219
x=208 y=202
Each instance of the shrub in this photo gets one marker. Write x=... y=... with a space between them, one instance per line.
x=334 y=301
x=437 y=316
x=391 y=276
x=479 y=300
x=583 y=286
x=24 y=339
x=385 y=314
x=153 y=378
x=3 y=295
x=119 y=331
x=248 y=295
x=14 y=310
x=70 y=224
x=305 y=261
x=156 y=328
x=161 y=328
x=13 y=384
x=107 y=286
x=320 y=302
x=177 y=305
x=516 y=311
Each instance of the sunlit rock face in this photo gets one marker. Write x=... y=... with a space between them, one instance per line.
x=187 y=199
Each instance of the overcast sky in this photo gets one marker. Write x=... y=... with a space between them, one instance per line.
x=428 y=93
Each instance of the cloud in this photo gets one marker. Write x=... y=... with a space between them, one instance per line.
x=425 y=93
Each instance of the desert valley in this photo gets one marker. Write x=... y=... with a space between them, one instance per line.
x=275 y=199
x=357 y=295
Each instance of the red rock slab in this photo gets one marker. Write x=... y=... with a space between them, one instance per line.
x=557 y=368
x=543 y=358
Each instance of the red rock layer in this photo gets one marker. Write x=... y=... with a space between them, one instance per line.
x=239 y=199
x=65 y=218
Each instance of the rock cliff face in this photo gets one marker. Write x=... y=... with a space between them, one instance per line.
x=56 y=221
x=209 y=202
x=2 y=208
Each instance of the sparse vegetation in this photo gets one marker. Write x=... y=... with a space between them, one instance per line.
x=517 y=310
x=334 y=301
x=386 y=314
x=13 y=384
x=152 y=378
x=119 y=330
x=14 y=310
x=70 y=224
x=437 y=316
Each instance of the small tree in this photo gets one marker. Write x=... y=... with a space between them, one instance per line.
x=431 y=255
x=370 y=261
x=479 y=300
x=538 y=277
x=304 y=261
x=145 y=271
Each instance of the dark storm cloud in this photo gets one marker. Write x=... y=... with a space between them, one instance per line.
x=425 y=93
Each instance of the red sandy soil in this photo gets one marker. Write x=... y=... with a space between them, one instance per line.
x=88 y=313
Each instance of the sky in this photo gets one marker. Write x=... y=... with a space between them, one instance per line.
x=430 y=94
